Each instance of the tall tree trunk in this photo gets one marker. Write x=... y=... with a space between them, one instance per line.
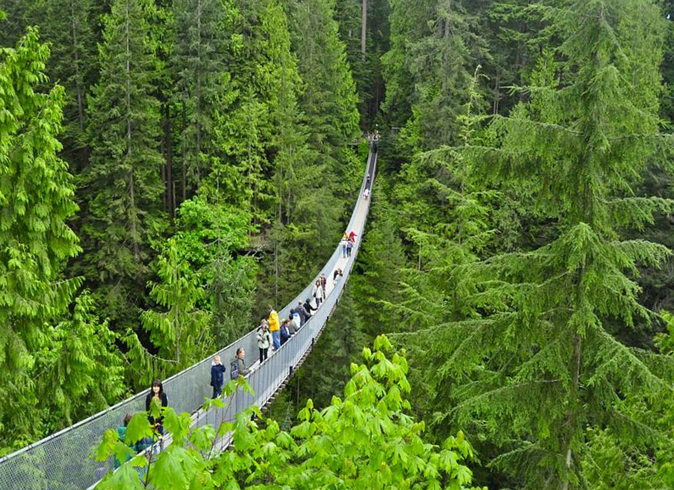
x=168 y=155
x=184 y=149
x=78 y=80
x=363 y=29
x=199 y=95
x=132 y=196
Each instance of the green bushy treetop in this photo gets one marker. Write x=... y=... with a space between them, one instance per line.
x=367 y=438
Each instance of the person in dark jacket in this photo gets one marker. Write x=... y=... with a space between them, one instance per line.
x=285 y=332
x=217 y=376
x=303 y=313
x=156 y=393
x=309 y=307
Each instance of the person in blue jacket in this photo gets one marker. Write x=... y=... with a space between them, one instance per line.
x=217 y=376
x=285 y=332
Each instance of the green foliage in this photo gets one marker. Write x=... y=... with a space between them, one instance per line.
x=383 y=259
x=539 y=366
x=329 y=101
x=121 y=184
x=199 y=74
x=81 y=371
x=366 y=438
x=427 y=69
x=201 y=293
x=37 y=198
x=180 y=328
x=69 y=27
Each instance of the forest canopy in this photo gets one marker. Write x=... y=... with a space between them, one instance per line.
x=168 y=168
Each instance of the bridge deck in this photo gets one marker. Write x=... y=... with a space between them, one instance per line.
x=63 y=460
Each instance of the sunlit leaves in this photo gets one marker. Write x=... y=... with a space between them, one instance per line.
x=363 y=440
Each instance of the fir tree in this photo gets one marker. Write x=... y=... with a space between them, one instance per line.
x=542 y=365
x=37 y=198
x=81 y=371
x=179 y=331
x=329 y=100
x=198 y=65
x=69 y=26
x=122 y=185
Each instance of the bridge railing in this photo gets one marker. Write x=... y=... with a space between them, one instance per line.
x=63 y=461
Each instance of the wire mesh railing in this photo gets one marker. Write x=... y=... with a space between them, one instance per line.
x=63 y=461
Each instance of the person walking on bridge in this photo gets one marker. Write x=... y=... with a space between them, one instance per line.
x=217 y=376
x=296 y=319
x=285 y=332
x=344 y=243
x=337 y=275
x=274 y=327
x=324 y=284
x=317 y=292
x=303 y=312
x=240 y=363
x=264 y=340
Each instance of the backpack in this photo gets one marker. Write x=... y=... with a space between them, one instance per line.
x=234 y=368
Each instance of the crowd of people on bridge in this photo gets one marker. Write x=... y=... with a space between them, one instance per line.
x=272 y=333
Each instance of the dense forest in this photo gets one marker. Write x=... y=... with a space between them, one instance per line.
x=168 y=168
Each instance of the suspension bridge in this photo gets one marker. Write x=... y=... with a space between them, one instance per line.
x=63 y=461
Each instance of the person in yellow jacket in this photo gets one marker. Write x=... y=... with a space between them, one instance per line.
x=274 y=327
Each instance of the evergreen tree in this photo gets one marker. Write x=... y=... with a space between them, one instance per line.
x=37 y=198
x=179 y=333
x=428 y=70
x=382 y=260
x=122 y=185
x=69 y=26
x=198 y=65
x=542 y=364
x=12 y=22
x=329 y=101
x=81 y=371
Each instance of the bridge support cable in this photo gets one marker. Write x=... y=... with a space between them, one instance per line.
x=63 y=460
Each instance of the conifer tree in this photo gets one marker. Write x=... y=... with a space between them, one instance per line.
x=69 y=26
x=427 y=69
x=179 y=331
x=542 y=365
x=329 y=100
x=306 y=212
x=37 y=199
x=241 y=164
x=383 y=259
x=198 y=65
x=81 y=371
x=122 y=185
